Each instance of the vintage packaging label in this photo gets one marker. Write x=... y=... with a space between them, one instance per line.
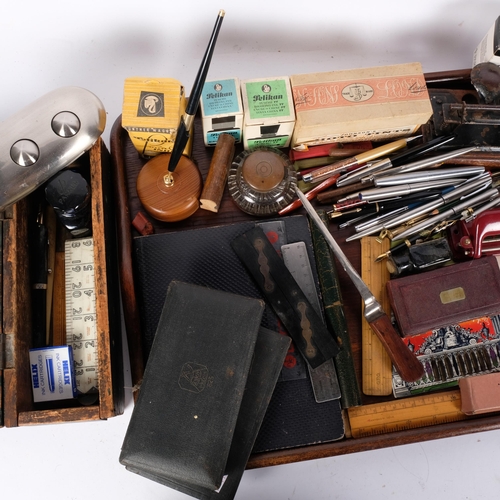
x=151 y=113
x=371 y=104
x=52 y=373
x=451 y=352
x=269 y=112
x=221 y=97
x=267 y=99
x=353 y=92
x=221 y=110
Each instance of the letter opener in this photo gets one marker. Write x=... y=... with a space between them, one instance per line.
x=406 y=363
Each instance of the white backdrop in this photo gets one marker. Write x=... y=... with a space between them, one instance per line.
x=96 y=45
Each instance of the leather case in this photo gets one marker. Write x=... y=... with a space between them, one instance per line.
x=270 y=351
x=446 y=295
x=184 y=420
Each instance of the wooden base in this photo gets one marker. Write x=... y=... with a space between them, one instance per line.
x=169 y=202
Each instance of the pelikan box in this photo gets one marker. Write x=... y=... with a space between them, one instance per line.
x=488 y=49
x=221 y=110
x=368 y=104
x=269 y=113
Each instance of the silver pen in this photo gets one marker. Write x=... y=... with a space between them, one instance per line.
x=482 y=181
x=427 y=175
x=479 y=210
x=421 y=164
x=393 y=161
x=490 y=194
x=390 y=192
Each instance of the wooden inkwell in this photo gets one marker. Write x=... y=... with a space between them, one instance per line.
x=169 y=196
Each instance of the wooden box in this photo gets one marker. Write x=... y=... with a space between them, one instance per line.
x=127 y=164
x=17 y=401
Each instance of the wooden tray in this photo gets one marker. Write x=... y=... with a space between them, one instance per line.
x=126 y=166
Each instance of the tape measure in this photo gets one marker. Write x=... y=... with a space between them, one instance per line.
x=403 y=414
x=376 y=364
x=81 y=329
x=324 y=379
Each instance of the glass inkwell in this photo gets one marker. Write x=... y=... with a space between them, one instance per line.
x=262 y=181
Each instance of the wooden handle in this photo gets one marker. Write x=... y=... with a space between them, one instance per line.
x=217 y=174
x=406 y=363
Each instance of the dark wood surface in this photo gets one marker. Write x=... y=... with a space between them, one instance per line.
x=126 y=165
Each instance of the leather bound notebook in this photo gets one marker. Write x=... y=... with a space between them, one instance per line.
x=448 y=295
x=204 y=257
x=185 y=417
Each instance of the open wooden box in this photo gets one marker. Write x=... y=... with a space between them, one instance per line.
x=127 y=164
x=15 y=334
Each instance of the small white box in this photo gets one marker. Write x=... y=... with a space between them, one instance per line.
x=52 y=373
x=489 y=48
x=221 y=110
x=269 y=113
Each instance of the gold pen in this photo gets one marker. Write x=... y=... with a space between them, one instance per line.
x=349 y=164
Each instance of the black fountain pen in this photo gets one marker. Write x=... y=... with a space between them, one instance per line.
x=186 y=123
x=39 y=284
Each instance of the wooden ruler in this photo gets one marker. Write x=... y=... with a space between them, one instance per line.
x=376 y=364
x=81 y=329
x=403 y=414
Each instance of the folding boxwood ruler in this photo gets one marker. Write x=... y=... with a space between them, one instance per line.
x=81 y=329
x=377 y=366
x=403 y=414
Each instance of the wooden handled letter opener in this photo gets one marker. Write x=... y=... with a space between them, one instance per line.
x=405 y=362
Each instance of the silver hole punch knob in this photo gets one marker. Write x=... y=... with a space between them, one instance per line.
x=66 y=124
x=24 y=152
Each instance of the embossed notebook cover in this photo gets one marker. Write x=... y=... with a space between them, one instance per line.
x=183 y=422
x=446 y=295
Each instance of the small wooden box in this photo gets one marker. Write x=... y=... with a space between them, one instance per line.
x=16 y=403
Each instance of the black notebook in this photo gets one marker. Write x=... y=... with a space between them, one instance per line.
x=185 y=417
x=204 y=257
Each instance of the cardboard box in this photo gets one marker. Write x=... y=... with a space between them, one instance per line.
x=489 y=48
x=269 y=114
x=152 y=109
x=369 y=104
x=221 y=110
x=480 y=394
x=52 y=373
